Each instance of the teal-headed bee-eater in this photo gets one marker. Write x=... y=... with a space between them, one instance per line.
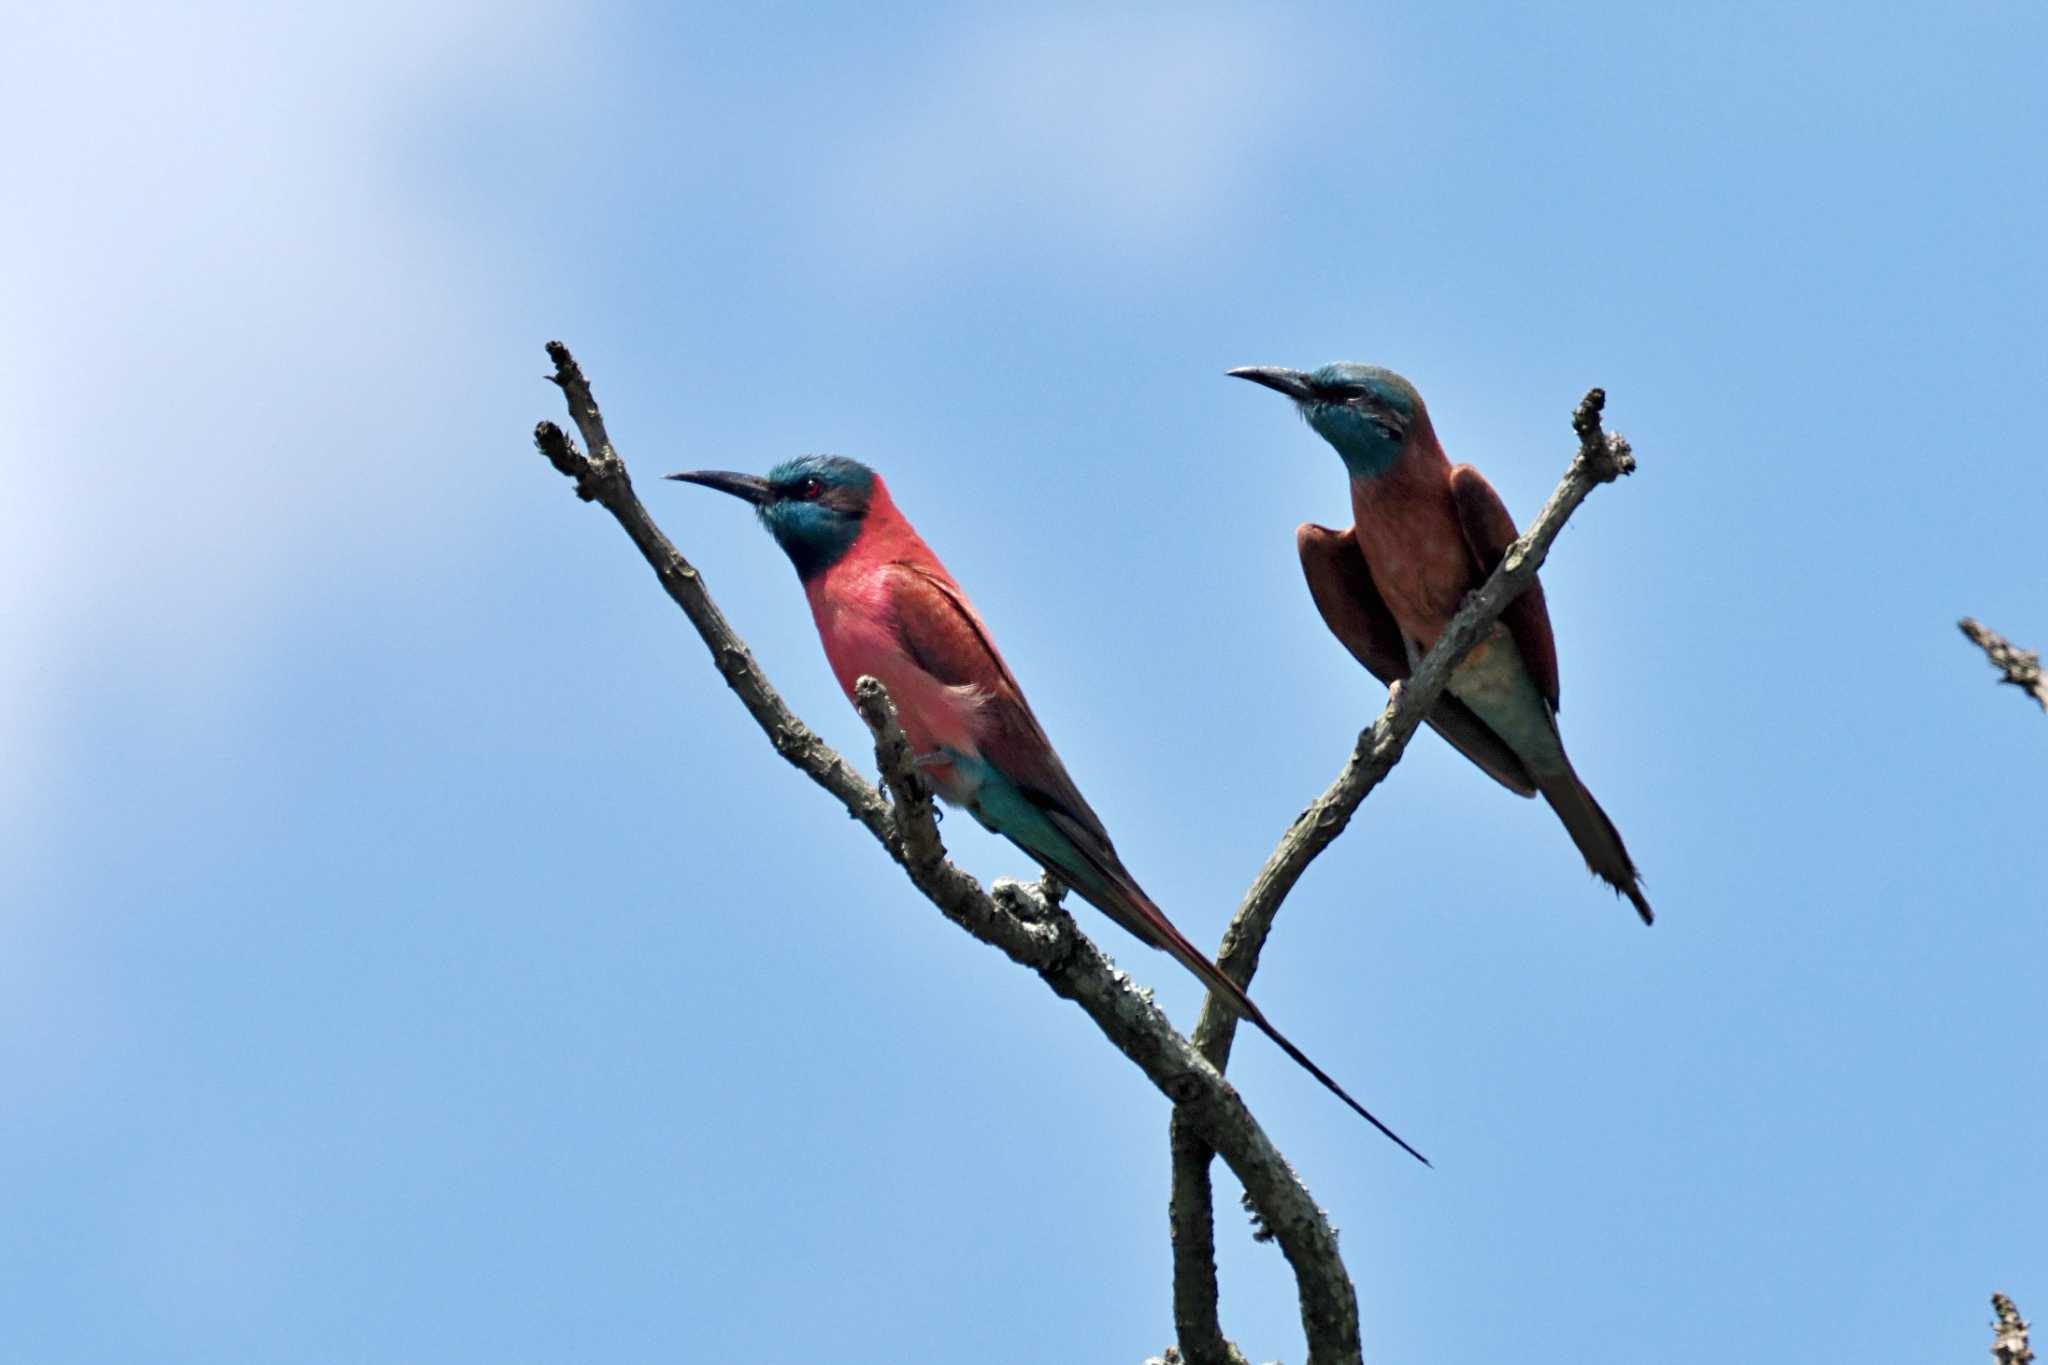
x=1426 y=533
x=886 y=607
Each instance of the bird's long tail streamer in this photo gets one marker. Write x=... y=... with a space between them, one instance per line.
x=1175 y=943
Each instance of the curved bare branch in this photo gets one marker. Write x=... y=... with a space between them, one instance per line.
x=1601 y=458
x=1021 y=920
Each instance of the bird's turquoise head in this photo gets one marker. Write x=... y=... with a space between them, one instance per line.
x=813 y=505
x=1364 y=411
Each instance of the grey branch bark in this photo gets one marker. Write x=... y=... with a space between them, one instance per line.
x=1601 y=458
x=2009 y=1345
x=1022 y=921
x=2020 y=667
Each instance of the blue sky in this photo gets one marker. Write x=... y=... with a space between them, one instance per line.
x=412 y=952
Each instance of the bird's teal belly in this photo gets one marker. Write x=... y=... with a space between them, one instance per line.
x=954 y=777
x=1495 y=683
x=1000 y=808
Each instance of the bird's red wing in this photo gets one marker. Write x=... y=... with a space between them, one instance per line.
x=1350 y=603
x=1489 y=530
x=1357 y=615
x=943 y=635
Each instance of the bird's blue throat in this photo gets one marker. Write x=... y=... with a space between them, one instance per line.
x=814 y=537
x=1368 y=447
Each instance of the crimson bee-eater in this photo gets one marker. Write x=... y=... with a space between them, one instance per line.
x=1426 y=533
x=886 y=607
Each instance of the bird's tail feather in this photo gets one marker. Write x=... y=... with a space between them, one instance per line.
x=1595 y=835
x=1152 y=925
x=1220 y=983
x=1104 y=882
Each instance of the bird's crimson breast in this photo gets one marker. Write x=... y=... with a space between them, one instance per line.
x=857 y=625
x=1407 y=529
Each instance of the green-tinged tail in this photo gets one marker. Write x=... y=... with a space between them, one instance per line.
x=1595 y=835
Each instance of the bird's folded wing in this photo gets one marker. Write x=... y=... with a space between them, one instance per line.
x=1357 y=615
x=1350 y=602
x=1489 y=530
x=943 y=635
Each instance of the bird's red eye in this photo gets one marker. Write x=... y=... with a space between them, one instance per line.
x=810 y=490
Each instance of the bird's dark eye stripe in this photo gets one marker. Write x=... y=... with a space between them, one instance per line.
x=807 y=489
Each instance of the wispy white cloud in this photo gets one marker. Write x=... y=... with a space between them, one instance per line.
x=1099 y=126
x=230 y=317
x=218 y=255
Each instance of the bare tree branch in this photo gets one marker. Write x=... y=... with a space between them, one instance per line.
x=1600 y=458
x=1191 y=1216
x=2020 y=667
x=1024 y=922
x=2009 y=1346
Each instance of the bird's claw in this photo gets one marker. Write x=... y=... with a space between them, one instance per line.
x=918 y=762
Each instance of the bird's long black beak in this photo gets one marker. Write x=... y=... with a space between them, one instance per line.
x=1293 y=383
x=748 y=487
